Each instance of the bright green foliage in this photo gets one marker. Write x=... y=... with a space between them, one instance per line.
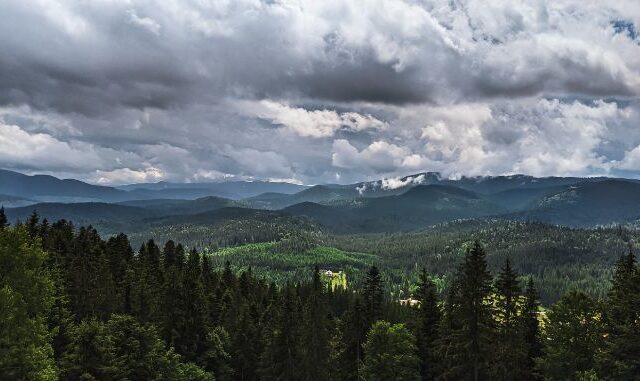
x=574 y=335
x=217 y=358
x=26 y=295
x=390 y=353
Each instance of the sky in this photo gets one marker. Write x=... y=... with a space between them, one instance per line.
x=307 y=91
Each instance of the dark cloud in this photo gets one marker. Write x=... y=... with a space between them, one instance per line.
x=173 y=90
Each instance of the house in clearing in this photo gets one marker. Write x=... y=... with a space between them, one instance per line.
x=334 y=279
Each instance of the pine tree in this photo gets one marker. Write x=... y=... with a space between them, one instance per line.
x=510 y=350
x=620 y=358
x=531 y=326
x=372 y=295
x=427 y=325
x=390 y=354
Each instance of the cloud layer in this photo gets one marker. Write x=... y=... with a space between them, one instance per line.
x=128 y=91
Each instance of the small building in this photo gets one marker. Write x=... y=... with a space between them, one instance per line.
x=409 y=302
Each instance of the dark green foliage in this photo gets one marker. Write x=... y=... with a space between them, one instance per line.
x=531 y=329
x=315 y=332
x=390 y=354
x=373 y=294
x=467 y=341
x=620 y=357
x=510 y=353
x=4 y=222
x=122 y=348
x=347 y=351
x=93 y=309
x=428 y=320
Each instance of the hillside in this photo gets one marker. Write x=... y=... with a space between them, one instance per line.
x=587 y=204
x=421 y=206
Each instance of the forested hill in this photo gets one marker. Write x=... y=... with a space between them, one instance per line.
x=77 y=307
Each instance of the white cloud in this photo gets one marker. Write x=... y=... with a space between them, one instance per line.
x=128 y=176
x=145 y=22
x=40 y=150
x=395 y=183
x=309 y=123
x=379 y=157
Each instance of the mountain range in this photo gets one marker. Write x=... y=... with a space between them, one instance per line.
x=385 y=205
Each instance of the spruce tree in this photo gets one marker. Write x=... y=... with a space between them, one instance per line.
x=470 y=332
x=531 y=326
x=372 y=295
x=32 y=224
x=427 y=325
x=191 y=341
x=620 y=358
x=347 y=343
x=4 y=222
x=510 y=350
x=316 y=332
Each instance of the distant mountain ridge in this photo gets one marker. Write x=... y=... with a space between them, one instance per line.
x=44 y=188
x=387 y=205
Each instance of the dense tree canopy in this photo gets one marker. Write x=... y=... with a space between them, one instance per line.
x=77 y=307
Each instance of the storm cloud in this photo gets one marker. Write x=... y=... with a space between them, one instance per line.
x=318 y=91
